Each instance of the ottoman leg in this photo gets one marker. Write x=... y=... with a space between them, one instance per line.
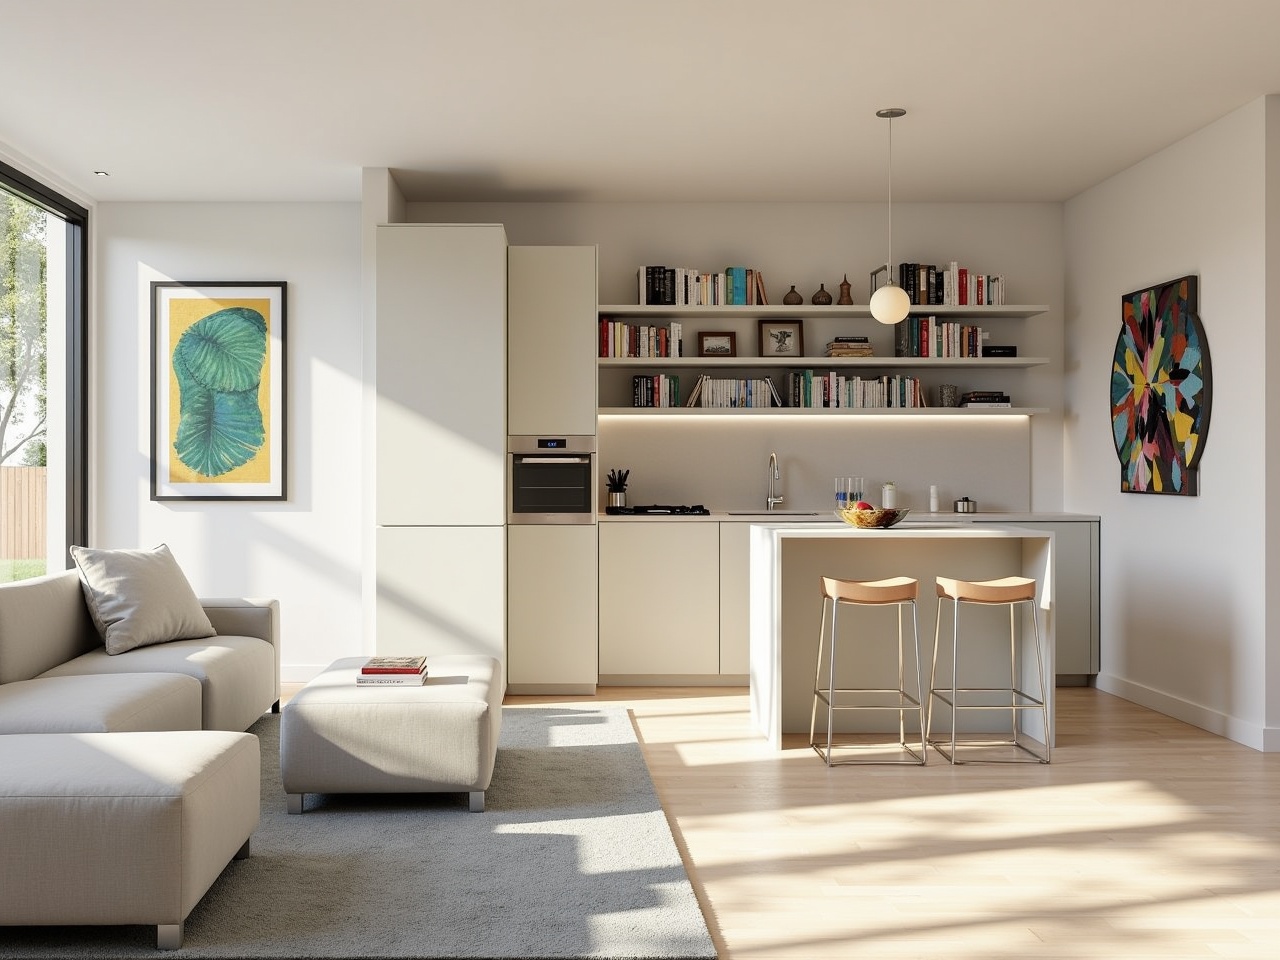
x=295 y=801
x=243 y=852
x=477 y=801
x=168 y=936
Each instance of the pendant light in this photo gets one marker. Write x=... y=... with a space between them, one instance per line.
x=890 y=303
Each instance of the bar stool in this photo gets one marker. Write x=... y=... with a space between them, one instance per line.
x=1011 y=591
x=898 y=591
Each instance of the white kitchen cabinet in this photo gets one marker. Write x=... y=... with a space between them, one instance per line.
x=659 y=600
x=440 y=591
x=1076 y=609
x=441 y=374
x=552 y=623
x=551 y=365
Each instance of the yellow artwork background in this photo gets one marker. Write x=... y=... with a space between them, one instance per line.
x=183 y=312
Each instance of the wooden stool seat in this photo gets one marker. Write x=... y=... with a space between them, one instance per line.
x=893 y=590
x=1004 y=590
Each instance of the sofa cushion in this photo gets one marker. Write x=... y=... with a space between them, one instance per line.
x=43 y=622
x=114 y=703
x=139 y=597
x=237 y=674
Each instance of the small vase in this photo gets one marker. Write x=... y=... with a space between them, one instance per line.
x=822 y=298
x=793 y=297
x=846 y=292
x=618 y=499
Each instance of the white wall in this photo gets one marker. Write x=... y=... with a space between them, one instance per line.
x=806 y=244
x=305 y=551
x=1184 y=627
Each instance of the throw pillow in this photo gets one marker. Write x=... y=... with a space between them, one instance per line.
x=139 y=597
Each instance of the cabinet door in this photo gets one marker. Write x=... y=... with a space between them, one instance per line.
x=440 y=591
x=552 y=626
x=659 y=598
x=441 y=377
x=1075 y=602
x=551 y=341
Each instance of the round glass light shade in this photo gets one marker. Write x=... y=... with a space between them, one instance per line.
x=890 y=304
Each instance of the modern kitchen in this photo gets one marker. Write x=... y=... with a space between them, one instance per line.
x=658 y=588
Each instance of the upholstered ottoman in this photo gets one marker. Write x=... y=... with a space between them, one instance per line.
x=122 y=828
x=442 y=736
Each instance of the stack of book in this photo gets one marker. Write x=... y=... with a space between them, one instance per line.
x=985 y=398
x=393 y=671
x=807 y=388
x=729 y=392
x=849 y=347
x=655 y=390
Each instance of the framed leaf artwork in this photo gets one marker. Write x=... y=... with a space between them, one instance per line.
x=1161 y=388
x=217 y=390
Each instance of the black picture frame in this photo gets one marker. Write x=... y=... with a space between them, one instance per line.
x=219 y=427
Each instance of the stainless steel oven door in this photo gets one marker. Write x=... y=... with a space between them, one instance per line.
x=551 y=479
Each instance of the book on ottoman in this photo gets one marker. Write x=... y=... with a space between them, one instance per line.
x=393 y=671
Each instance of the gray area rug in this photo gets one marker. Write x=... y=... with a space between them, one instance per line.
x=572 y=858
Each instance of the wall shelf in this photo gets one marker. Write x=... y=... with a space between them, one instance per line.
x=739 y=363
x=856 y=311
x=821 y=411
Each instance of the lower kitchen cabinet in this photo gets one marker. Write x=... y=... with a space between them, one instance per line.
x=735 y=579
x=551 y=609
x=659 y=600
x=1076 y=608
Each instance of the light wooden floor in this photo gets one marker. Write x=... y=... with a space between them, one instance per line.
x=1145 y=838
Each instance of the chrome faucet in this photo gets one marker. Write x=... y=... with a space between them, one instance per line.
x=774 y=498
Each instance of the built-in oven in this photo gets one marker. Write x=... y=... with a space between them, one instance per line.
x=551 y=479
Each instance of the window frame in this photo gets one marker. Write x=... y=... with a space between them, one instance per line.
x=76 y=359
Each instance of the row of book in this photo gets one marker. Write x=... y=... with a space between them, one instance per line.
x=621 y=339
x=809 y=388
x=393 y=672
x=656 y=390
x=729 y=392
x=686 y=286
x=950 y=285
x=931 y=337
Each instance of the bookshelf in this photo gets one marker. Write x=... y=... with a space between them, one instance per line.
x=821 y=324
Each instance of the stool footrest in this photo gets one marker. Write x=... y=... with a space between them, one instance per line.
x=944 y=747
x=1000 y=698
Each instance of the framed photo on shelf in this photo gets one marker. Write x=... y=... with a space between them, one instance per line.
x=782 y=338
x=717 y=344
x=217 y=390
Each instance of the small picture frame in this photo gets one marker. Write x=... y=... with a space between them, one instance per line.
x=782 y=338
x=716 y=344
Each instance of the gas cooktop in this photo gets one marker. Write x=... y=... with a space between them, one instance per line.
x=657 y=509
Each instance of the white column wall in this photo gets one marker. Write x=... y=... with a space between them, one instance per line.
x=1184 y=625
x=306 y=551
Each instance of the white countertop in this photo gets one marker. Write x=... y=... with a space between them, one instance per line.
x=912 y=519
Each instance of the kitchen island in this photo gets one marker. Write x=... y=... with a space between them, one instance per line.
x=788 y=558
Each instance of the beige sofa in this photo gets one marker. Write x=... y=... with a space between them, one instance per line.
x=127 y=767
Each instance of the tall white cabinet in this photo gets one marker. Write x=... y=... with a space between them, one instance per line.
x=441 y=438
x=552 y=627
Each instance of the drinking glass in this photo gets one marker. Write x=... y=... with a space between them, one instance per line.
x=856 y=489
x=842 y=491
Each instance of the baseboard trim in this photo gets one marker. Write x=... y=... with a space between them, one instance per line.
x=545 y=689
x=673 y=680
x=1214 y=721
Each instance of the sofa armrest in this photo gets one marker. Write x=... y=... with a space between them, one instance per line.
x=247 y=617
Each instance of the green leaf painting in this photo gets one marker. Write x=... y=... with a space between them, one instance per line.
x=218 y=366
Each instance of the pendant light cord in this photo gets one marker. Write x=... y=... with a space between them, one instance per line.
x=889 y=262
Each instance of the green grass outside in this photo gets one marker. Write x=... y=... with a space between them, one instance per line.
x=20 y=569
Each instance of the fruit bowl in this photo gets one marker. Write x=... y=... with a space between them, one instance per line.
x=876 y=518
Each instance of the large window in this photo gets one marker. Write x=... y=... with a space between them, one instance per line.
x=43 y=298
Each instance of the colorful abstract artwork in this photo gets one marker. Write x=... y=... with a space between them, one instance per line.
x=1160 y=389
x=217 y=391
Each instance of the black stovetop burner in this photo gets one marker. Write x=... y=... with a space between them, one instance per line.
x=659 y=509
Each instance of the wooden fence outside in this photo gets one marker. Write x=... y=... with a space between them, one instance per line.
x=22 y=513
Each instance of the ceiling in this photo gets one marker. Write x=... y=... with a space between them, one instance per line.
x=604 y=100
